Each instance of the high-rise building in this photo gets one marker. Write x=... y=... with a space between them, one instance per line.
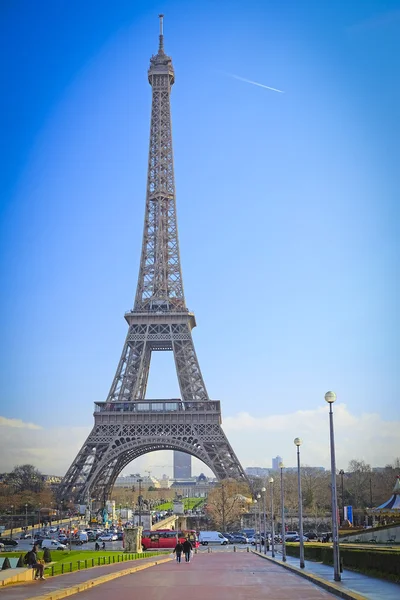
x=275 y=462
x=182 y=465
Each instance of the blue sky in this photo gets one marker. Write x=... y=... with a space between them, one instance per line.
x=287 y=207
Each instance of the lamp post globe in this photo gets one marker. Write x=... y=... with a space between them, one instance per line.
x=330 y=397
x=297 y=442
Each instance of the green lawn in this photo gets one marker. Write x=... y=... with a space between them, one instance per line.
x=66 y=562
x=188 y=504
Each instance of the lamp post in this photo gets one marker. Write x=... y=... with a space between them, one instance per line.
x=330 y=397
x=271 y=481
x=39 y=515
x=297 y=442
x=140 y=501
x=259 y=521
x=264 y=491
x=12 y=519
x=341 y=473
x=223 y=506
x=255 y=522
x=281 y=466
x=26 y=517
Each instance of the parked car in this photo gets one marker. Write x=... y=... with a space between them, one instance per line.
x=108 y=537
x=53 y=545
x=238 y=539
x=295 y=538
x=8 y=541
x=312 y=535
x=228 y=536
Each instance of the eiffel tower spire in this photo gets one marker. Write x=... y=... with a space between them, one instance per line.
x=127 y=425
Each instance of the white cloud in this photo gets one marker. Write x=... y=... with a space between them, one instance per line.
x=4 y=422
x=51 y=450
x=255 y=440
x=367 y=436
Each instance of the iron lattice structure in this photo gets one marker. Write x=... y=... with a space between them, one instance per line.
x=127 y=425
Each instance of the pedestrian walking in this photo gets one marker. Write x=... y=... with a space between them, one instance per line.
x=178 y=551
x=187 y=548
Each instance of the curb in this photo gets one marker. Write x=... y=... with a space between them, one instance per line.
x=329 y=586
x=91 y=583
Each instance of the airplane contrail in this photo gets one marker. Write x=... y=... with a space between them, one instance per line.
x=254 y=83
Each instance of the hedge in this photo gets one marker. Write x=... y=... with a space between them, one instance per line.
x=384 y=564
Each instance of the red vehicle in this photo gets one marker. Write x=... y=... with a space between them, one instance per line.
x=167 y=538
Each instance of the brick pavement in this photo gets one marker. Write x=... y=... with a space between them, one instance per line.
x=51 y=584
x=216 y=576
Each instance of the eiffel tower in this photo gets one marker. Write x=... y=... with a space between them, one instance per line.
x=127 y=425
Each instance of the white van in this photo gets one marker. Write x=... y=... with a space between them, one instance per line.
x=212 y=537
x=53 y=545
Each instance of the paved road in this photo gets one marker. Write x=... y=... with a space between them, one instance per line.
x=215 y=576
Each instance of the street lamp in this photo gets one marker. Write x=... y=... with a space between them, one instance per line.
x=341 y=473
x=255 y=522
x=12 y=519
x=271 y=481
x=140 y=501
x=330 y=397
x=281 y=466
x=26 y=517
x=264 y=491
x=39 y=516
x=297 y=442
x=259 y=520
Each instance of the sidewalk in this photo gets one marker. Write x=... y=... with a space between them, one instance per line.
x=367 y=587
x=51 y=585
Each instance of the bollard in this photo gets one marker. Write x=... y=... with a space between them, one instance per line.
x=62 y=568
x=208 y=550
x=98 y=561
x=248 y=549
x=113 y=558
x=52 y=570
x=92 y=562
x=79 y=565
x=70 y=567
x=85 y=563
x=109 y=559
x=234 y=548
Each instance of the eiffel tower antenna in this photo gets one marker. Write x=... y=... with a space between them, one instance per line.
x=161 y=44
x=127 y=425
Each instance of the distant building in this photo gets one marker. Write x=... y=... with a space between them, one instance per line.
x=133 y=480
x=275 y=462
x=182 y=465
x=195 y=487
x=257 y=471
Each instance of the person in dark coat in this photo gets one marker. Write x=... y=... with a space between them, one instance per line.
x=187 y=548
x=33 y=562
x=178 y=551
